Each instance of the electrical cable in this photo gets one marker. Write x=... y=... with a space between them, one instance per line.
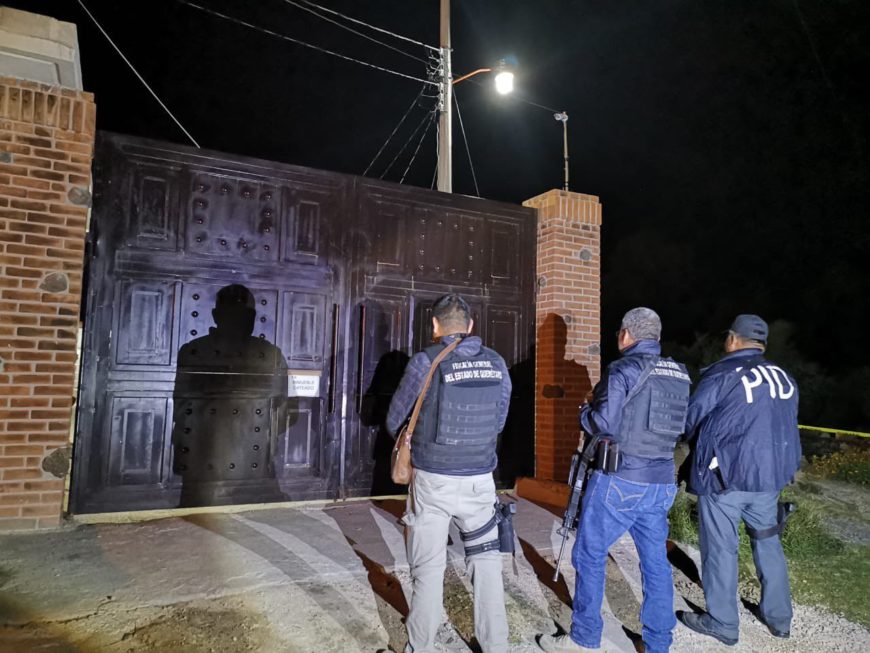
x=298 y=42
x=407 y=142
x=377 y=29
x=395 y=129
x=419 y=143
x=437 y=141
x=136 y=72
x=467 y=149
x=350 y=29
x=520 y=98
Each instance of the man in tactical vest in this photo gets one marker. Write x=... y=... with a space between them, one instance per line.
x=743 y=430
x=639 y=408
x=453 y=452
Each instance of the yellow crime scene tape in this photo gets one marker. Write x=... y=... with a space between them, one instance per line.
x=834 y=431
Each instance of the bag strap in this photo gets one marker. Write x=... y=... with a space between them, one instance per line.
x=648 y=368
x=412 y=423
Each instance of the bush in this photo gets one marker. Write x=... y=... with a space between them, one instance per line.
x=851 y=465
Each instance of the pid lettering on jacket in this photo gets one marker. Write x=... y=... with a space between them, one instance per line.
x=772 y=377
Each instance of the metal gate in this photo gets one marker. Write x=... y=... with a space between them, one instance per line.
x=246 y=323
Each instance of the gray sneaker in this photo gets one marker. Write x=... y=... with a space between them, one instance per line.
x=562 y=644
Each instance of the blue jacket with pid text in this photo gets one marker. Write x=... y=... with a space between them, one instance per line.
x=744 y=414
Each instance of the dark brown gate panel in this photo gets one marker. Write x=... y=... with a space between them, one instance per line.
x=420 y=245
x=188 y=399
x=247 y=323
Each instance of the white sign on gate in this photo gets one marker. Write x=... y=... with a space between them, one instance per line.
x=303 y=383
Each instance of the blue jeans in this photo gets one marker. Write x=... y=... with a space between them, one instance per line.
x=612 y=506
x=720 y=516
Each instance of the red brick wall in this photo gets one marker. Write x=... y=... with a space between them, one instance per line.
x=568 y=322
x=46 y=147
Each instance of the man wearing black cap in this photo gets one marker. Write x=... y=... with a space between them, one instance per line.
x=742 y=426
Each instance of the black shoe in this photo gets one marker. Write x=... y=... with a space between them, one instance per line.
x=693 y=622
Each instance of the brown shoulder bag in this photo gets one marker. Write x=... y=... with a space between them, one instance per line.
x=400 y=468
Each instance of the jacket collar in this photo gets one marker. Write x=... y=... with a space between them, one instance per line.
x=749 y=352
x=644 y=348
x=470 y=345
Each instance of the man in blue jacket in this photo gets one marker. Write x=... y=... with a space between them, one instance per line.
x=640 y=405
x=742 y=426
x=453 y=452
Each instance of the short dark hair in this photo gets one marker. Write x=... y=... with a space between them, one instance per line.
x=452 y=311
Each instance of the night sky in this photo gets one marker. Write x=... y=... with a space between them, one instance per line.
x=728 y=141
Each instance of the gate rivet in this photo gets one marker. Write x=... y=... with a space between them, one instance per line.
x=235 y=411
x=263 y=319
x=263 y=302
x=195 y=314
x=254 y=465
x=195 y=296
x=223 y=243
x=266 y=247
x=256 y=429
x=193 y=332
x=256 y=447
x=232 y=465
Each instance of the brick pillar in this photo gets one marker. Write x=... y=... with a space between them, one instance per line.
x=568 y=321
x=46 y=147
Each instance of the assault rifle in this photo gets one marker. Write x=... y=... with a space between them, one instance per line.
x=577 y=479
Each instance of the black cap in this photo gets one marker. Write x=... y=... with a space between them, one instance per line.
x=749 y=326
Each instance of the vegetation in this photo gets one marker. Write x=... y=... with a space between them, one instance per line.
x=850 y=465
x=824 y=569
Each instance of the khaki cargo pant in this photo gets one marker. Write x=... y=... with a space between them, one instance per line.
x=434 y=500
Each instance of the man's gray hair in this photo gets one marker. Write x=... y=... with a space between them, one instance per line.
x=643 y=324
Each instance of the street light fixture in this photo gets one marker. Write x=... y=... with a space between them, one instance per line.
x=504 y=84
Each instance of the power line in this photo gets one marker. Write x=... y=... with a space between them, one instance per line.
x=467 y=149
x=419 y=143
x=350 y=29
x=395 y=129
x=302 y=43
x=136 y=72
x=520 y=98
x=407 y=142
x=377 y=29
x=437 y=141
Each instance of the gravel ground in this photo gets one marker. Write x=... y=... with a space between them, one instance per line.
x=320 y=581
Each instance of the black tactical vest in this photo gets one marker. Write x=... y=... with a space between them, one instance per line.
x=654 y=415
x=457 y=430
